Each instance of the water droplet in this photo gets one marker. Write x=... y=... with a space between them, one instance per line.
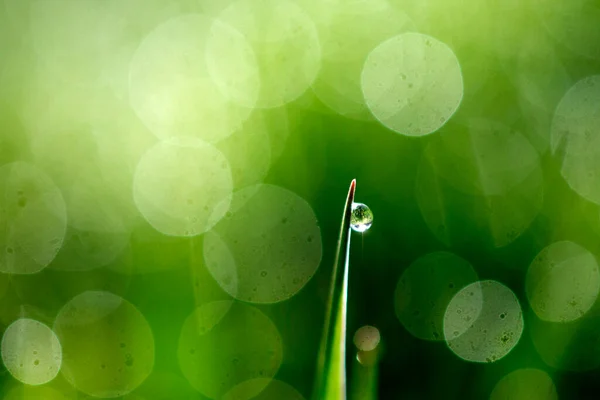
x=362 y=217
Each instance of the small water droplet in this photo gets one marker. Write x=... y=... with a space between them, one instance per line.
x=362 y=217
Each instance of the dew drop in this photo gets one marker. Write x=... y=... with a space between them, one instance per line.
x=362 y=217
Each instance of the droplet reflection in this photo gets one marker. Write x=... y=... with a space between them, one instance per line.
x=362 y=217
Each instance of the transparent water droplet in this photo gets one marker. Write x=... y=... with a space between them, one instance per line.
x=362 y=217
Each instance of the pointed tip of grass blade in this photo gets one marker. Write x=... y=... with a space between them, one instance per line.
x=331 y=373
x=351 y=191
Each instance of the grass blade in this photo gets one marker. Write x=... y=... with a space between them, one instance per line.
x=331 y=368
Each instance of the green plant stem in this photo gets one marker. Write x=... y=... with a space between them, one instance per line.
x=331 y=368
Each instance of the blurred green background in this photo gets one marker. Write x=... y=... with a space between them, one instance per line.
x=172 y=178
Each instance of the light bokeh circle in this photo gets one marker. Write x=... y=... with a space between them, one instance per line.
x=366 y=338
x=31 y=352
x=178 y=184
x=348 y=31
x=425 y=289
x=248 y=150
x=525 y=384
x=570 y=346
x=108 y=346
x=460 y=219
x=285 y=43
x=483 y=157
x=33 y=219
x=562 y=282
x=483 y=322
x=575 y=137
x=172 y=90
x=98 y=224
x=215 y=355
x=412 y=83
x=267 y=247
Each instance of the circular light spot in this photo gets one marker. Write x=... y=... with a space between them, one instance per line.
x=483 y=157
x=367 y=338
x=525 y=384
x=575 y=134
x=31 y=352
x=483 y=322
x=215 y=354
x=98 y=228
x=412 y=84
x=425 y=289
x=108 y=347
x=539 y=74
x=268 y=248
x=273 y=390
x=348 y=32
x=361 y=218
x=248 y=151
x=571 y=346
x=178 y=184
x=32 y=219
x=562 y=282
x=86 y=250
x=285 y=43
x=456 y=218
x=172 y=90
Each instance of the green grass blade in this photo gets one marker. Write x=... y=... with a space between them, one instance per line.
x=331 y=369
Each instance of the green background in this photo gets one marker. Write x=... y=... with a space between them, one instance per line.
x=507 y=51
